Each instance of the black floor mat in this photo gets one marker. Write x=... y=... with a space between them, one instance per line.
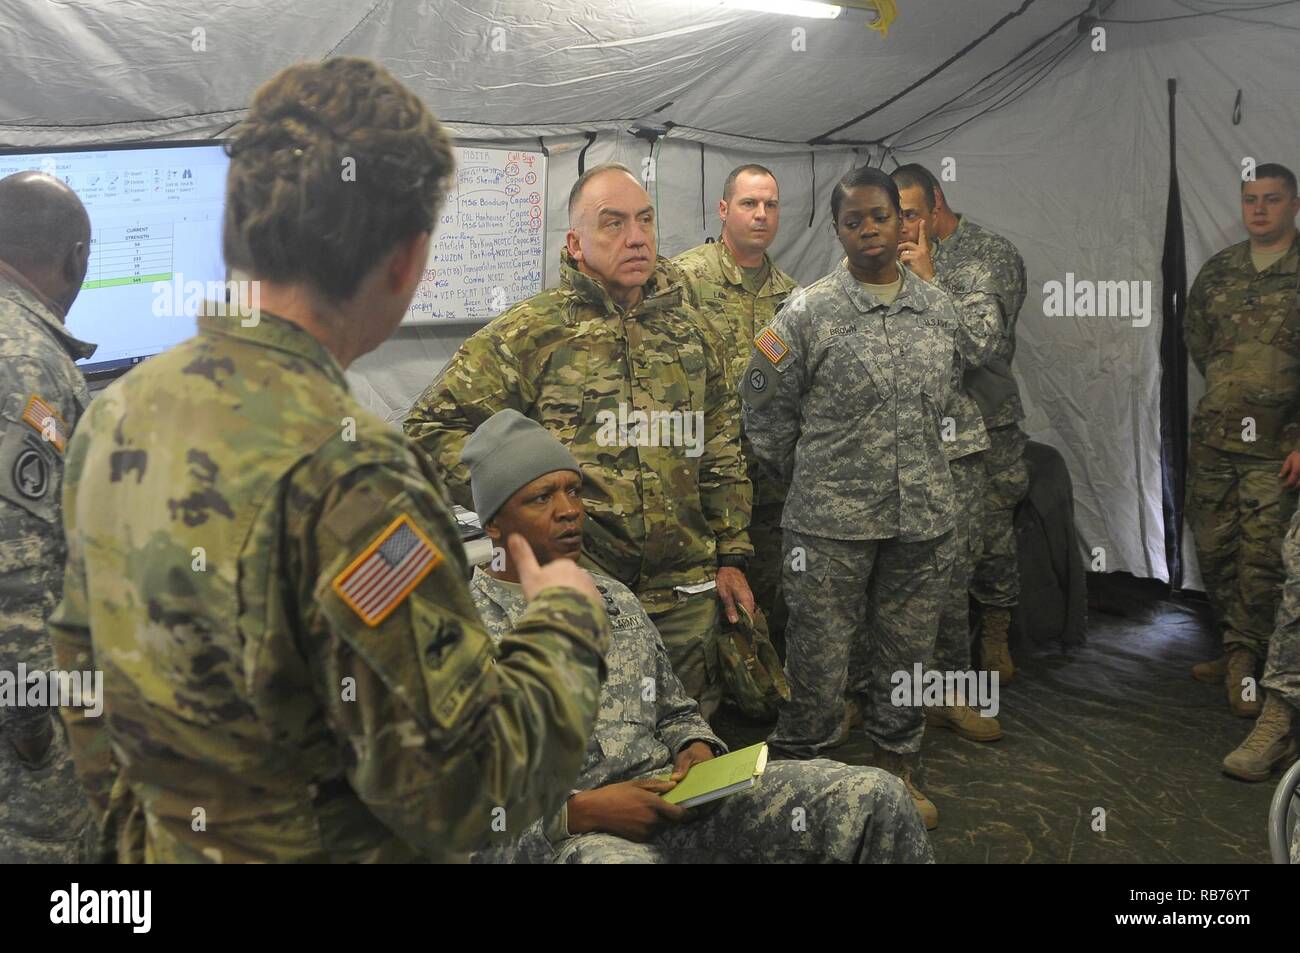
x=1118 y=725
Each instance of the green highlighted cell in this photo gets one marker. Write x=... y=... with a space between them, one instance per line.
x=129 y=280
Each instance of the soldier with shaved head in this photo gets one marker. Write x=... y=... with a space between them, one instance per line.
x=44 y=249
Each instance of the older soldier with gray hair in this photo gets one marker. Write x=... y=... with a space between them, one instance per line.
x=844 y=397
x=618 y=364
x=524 y=481
x=44 y=250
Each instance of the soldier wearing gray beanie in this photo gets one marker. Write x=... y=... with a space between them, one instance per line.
x=508 y=451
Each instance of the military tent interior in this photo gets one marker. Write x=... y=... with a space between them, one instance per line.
x=1058 y=123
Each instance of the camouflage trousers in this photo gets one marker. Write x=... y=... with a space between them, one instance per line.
x=870 y=607
x=970 y=485
x=690 y=629
x=1239 y=512
x=802 y=812
x=45 y=817
x=764 y=573
x=997 y=574
x=1282 y=667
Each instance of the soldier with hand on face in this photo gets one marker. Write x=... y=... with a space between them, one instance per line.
x=985 y=275
x=270 y=577
x=1243 y=334
x=740 y=290
x=986 y=282
x=524 y=481
x=844 y=397
x=44 y=251
x=618 y=364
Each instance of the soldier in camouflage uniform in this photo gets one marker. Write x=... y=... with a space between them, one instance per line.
x=270 y=577
x=619 y=345
x=44 y=248
x=648 y=725
x=981 y=267
x=740 y=291
x=844 y=398
x=1243 y=334
x=979 y=340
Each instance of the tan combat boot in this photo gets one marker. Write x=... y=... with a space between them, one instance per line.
x=965 y=721
x=900 y=766
x=994 y=651
x=1271 y=743
x=852 y=719
x=1213 y=672
x=1241 y=665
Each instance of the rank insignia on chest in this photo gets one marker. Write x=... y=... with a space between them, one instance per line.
x=773 y=348
x=45 y=420
x=393 y=564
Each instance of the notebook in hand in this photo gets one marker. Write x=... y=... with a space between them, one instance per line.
x=718 y=777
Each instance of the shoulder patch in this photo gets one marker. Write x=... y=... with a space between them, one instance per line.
x=773 y=348
x=393 y=564
x=45 y=420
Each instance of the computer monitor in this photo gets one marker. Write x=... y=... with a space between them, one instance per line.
x=155 y=218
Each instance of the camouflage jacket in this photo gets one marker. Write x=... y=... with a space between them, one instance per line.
x=736 y=315
x=659 y=512
x=733 y=312
x=985 y=275
x=273 y=586
x=42 y=395
x=646 y=718
x=845 y=397
x=1243 y=333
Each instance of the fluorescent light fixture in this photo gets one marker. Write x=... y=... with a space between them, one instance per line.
x=794 y=8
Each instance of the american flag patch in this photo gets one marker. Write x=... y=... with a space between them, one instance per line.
x=46 y=421
x=376 y=582
x=773 y=348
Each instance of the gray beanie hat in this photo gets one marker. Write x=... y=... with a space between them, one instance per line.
x=508 y=451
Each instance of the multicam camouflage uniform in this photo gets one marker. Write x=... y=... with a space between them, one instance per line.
x=845 y=397
x=44 y=816
x=737 y=312
x=985 y=273
x=852 y=814
x=1243 y=333
x=1282 y=668
x=271 y=581
x=659 y=517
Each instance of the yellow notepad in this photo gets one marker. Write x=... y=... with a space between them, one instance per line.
x=718 y=777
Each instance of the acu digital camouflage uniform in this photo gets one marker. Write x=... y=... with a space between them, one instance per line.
x=658 y=518
x=1243 y=333
x=44 y=817
x=1282 y=668
x=220 y=499
x=737 y=312
x=986 y=275
x=845 y=398
x=852 y=814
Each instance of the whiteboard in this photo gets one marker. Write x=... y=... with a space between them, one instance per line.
x=488 y=251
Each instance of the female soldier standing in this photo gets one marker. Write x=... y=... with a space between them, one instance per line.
x=843 y=397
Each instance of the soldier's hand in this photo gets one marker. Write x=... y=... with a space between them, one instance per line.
x=916 y=255
x=630 y=809
x=733 y=588
x=558 y=572
x=1290 y=472
x=692 y=754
